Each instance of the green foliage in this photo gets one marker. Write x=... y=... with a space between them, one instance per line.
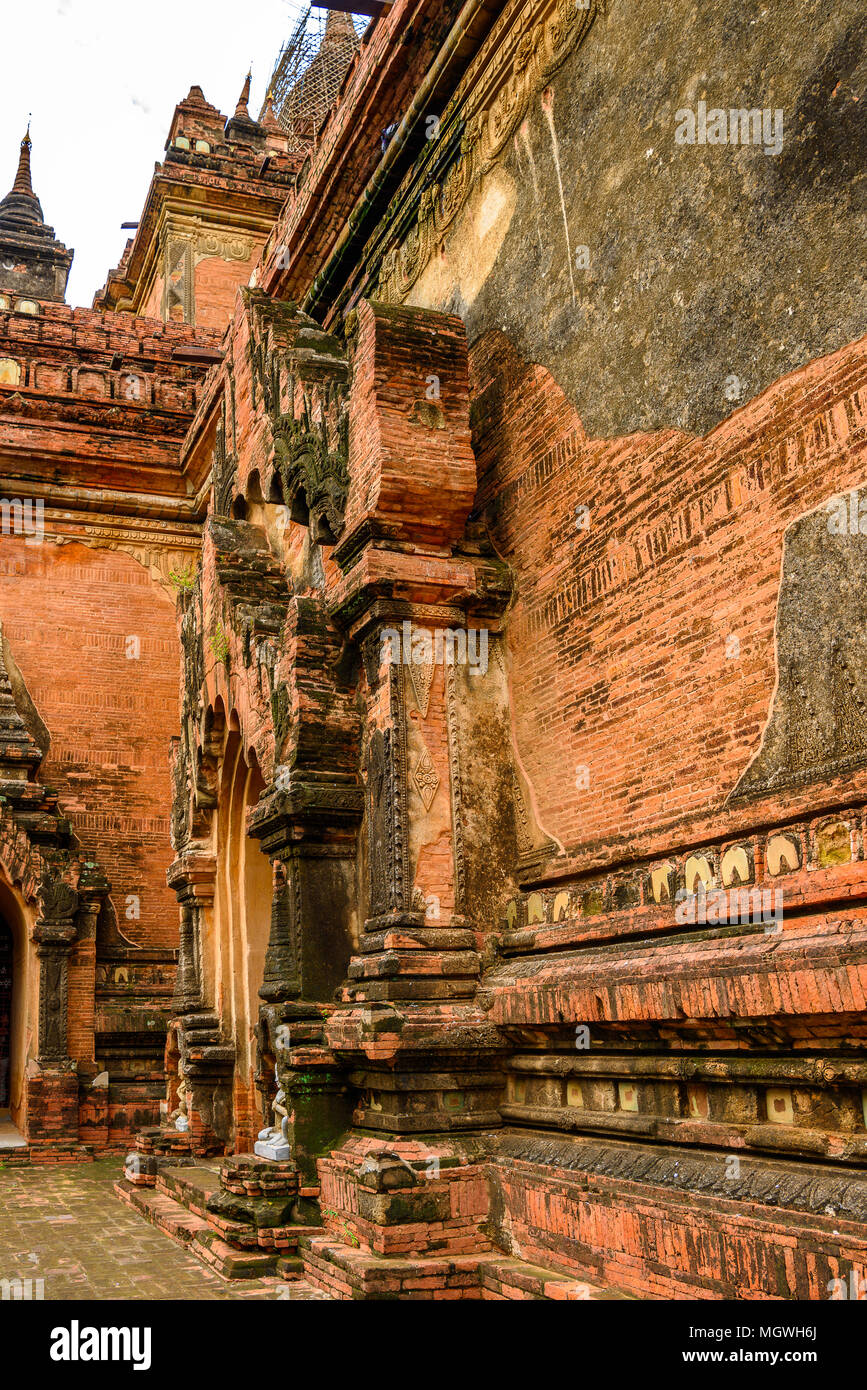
x=219 y=644
x=184 y=579
x=349 y=1236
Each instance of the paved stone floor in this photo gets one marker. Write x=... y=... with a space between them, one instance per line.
x=64 y=1224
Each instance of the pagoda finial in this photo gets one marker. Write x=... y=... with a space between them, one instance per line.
x=268 y=116
x=34 y=262
x=23 y=182
x=241 y=109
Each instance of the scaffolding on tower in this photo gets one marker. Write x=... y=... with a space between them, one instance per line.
x=310 y=69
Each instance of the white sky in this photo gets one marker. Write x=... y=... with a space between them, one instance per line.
x=102 y=79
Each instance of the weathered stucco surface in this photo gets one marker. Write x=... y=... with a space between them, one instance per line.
x=704 y=262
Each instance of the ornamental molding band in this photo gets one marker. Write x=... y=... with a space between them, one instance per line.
x=168 y=566
x=227 y=248
x=94 y=413
x=765 y=1182
x=526 y=47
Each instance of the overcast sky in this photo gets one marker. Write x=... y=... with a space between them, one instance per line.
x=102 y=79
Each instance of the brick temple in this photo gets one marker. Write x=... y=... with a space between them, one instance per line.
x=433 y=739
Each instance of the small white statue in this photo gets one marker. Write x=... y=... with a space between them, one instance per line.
x=274 y=1143
x=179 y=1115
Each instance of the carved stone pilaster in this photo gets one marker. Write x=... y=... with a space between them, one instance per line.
x=390 y=885
x=456 y=792
x=307 y=827
x=93 y=889
x=186 y=996
x=53 y=935
x=281 y=977
x=53 y=955
x=414 y=978
x=191 y=877
x=397 y=817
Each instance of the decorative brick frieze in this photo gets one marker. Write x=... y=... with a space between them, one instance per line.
x=782 y=871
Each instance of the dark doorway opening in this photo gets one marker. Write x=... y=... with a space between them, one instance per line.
x=5 y=1012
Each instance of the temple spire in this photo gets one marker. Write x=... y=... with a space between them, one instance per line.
x=268 y=116
x=23 y=182
x=242 y=109
x=339 y=23
x=33 y=263
x=242 y=128
x=307 y=78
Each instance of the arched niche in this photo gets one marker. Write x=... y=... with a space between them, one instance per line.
x=241 y=922
x=18 y=959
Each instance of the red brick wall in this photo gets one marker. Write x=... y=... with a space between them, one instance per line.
x=153 y=308
x=217 y=284
x=618 y=636
x=67 y=612
x=652 y=1242
x=82 y=1001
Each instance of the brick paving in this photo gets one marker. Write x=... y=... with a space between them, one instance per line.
x=64 y=1224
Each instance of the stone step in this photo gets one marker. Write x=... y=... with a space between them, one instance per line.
x=189 y=1185
x=189 y=1188
x=162 y=1141
x=250 y=1175
x=508 y=1277
x=232 y=1263
x=211 y=1052
x=346 y=1272
x=331 y=1269
x=390 y=965
x=192 y=1231
x=161 y=1210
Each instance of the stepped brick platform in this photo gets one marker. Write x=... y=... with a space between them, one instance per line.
x=349 y=1273
x=519 y=1216
x=22 y=1156
x=177 y=1206
x=402 y=1222
x=17 y=1151
x=155 y=1149
x=235 y=1214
